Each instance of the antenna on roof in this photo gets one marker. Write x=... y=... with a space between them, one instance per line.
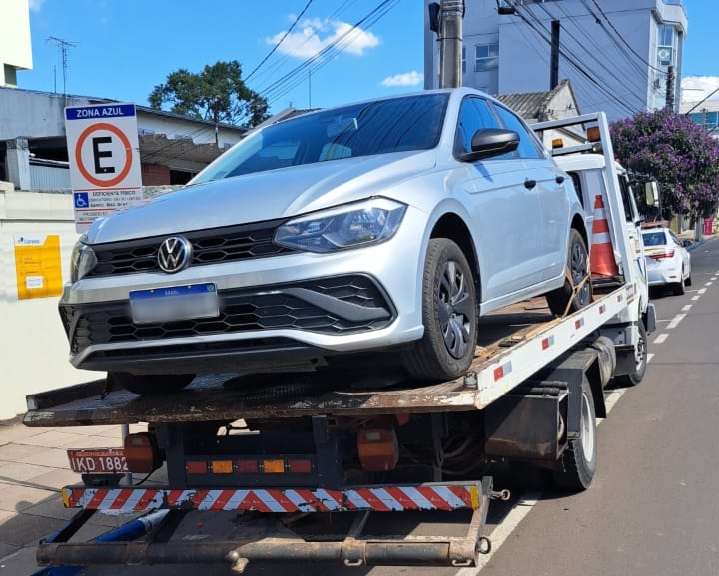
x=63 y=46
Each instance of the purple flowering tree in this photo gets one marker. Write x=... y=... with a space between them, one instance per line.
x=678 y=153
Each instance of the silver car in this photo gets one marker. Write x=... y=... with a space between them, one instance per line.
x=383 y=226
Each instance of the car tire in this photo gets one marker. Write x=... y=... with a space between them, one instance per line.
x=566 y=300
x=449 y=315
x=688 y=281
x=678 y=288
x=149 y=384
x=576 y=467
x=640 y=357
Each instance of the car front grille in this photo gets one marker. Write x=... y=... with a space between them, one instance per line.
x=208 y=247
x=290 y=306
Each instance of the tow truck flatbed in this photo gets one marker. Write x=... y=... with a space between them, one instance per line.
x=497 y=368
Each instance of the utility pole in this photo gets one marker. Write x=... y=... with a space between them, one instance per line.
x=554 y=68
x=63 y=46
x=450 y=43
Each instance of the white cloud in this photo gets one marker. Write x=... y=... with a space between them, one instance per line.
x=35 y=5
x=697 y=88
x=315 y=35
x=412 y=78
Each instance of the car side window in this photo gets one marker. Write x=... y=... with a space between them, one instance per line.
x=529 y=146
x=474 y=114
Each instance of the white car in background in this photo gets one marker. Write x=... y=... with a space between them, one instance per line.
x=669 y=263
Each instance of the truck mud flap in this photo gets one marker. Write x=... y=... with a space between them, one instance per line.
x=268 y=539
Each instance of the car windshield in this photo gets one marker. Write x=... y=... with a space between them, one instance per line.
x=377 y=127
x=654 y=238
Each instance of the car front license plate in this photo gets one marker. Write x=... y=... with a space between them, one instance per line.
x=175 y=303
x=98 y=461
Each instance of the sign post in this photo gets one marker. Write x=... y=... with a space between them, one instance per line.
x=104 y=155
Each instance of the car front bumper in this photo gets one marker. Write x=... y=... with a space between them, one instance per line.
x=290 y=310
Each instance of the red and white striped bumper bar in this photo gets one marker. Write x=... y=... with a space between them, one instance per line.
x=445 y=496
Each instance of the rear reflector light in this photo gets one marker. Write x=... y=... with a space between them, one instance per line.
x=141 y=453
x=300 y=466
x=248 y=466
x=196 y=467
x=273 y=466
x=222 y=466
x=377 y=448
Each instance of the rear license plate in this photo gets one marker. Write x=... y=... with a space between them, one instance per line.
x=175 y=303
x=98 y=461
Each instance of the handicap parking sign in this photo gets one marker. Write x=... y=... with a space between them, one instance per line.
x=82 y=200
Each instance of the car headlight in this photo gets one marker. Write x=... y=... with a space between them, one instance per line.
x=351 y=226
x=82 y=261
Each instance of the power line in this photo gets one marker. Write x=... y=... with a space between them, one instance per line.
x=574 y=63
x=276 y=46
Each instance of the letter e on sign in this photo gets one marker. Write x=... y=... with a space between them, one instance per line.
x=97 y=153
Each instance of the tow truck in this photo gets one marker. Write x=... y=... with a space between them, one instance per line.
x=289 y=468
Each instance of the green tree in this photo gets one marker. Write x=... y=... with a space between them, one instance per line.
x=678 y=153
x=218 y=93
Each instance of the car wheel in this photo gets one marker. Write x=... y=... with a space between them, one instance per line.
x=578 y=463
x=449 y=315
x=678 y=288
x=640 y=360
x=149 y=384
x=568 y=299
x=688 y=280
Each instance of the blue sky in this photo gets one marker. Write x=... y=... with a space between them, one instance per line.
x=126 y=47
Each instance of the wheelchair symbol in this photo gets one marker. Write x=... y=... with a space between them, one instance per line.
x=82 y=200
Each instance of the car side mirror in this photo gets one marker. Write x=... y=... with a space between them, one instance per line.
x=489 y=142
x=687 y=243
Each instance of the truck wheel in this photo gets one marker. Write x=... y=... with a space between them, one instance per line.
x=449 y=315
x=577 y=270
x=575 y=468
x=640 y=358
x=149 y=384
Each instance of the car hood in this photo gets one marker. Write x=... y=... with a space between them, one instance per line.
x=263 y=196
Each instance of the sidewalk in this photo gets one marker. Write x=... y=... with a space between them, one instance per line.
x=33 y=469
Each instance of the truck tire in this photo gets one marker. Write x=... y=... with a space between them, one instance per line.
x=566 y=299
x=640 y=357
x=575 y=468
x=449 y=315
x=149 y=384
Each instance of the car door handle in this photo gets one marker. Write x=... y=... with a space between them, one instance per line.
x=559 y=179
x=529 y=184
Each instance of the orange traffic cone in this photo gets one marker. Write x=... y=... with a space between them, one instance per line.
x=601 y=262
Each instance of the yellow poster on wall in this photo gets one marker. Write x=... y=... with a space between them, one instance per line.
x=37 y=266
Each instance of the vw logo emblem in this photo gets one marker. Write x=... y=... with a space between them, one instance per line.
x=175 y=254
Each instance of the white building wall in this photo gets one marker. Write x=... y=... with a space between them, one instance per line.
x=15 y=45
x=33 y=346
x=625 y=81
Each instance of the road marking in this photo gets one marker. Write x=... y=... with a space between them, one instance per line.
x=713 y=278
x=695 y=298
x=675 y=321
x=687 y=308
x=661 y=338
x=708 y=283
x=649 y=358
x=702 y=291
x=502 y=531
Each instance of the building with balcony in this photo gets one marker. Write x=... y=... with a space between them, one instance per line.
x=621 y=57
